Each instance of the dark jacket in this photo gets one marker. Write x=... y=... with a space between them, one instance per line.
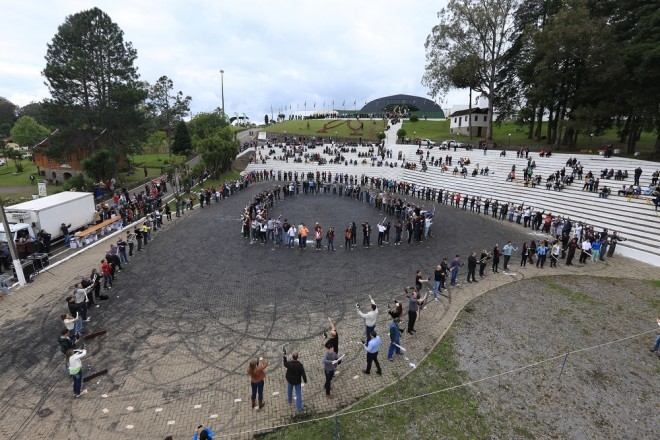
x=295 y=372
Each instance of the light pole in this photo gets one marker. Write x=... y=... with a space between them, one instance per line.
x=591 y=138
x=222 y=90
x=509 y=141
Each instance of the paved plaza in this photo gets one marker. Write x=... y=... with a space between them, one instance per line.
x=187 y=315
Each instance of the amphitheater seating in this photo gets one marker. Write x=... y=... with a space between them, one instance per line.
x=634 y=218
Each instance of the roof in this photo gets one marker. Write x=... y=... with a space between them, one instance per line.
x=467 y=111
x=420 y=103
x=45 y=202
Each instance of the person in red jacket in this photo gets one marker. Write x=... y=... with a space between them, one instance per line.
x=107 y=274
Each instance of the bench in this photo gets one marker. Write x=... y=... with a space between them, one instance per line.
x=90 y=234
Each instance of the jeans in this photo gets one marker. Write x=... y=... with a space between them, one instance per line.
x=368 y=330
x=657 y=344
x=506 y=261
x=122 y=256
x=541 y=261
x=436 y=286
x=328 y=380
x=595 y=254
x=454 y=275
x=299 y=402
x=77 y=382
x=67 y=240
x=393 y=349
x=257 y=388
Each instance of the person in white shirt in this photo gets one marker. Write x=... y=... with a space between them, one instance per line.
x=586 y=251
x=369 y=318
x=73 y=360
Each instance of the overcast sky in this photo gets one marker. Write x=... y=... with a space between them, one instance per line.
x=274 y=53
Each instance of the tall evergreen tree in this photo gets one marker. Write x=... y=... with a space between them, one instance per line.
x=94 y=86
x=182 y=143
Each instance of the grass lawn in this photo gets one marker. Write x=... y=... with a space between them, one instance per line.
x=155 y=160
x=335 y=128
x=9 y=176
x=450 y=414
x=439 y=131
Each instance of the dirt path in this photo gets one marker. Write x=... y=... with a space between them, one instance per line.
x=605 y=391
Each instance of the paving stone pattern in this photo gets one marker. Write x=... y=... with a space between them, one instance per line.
x=188 y=313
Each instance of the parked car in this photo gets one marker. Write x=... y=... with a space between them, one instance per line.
x=3 y=162
x=428 y=142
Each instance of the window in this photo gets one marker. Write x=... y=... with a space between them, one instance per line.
x=455 y=120
x=50 y=160
x=476 y=118
x=485 y=118
x=466 y=117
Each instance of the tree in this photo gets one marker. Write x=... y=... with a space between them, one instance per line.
x=27 y=132
x=17 y=157
x=475 y=30
x=205 y=124
x=401 y=133
x=182 y=143
x=100 y=166
x=35 y=110
x=265 y=119
x=166 y=107
x=94 y=86
x=7 y=116
x=218 y=150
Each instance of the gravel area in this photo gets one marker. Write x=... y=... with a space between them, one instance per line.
x=607 y=390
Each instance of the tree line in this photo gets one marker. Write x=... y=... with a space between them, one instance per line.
x=581 y=66
x=99 y=103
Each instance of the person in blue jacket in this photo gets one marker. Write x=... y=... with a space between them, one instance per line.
x=203 y=433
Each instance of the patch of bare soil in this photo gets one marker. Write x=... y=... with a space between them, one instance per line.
x=605 y=391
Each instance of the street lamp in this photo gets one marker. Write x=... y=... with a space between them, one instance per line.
x=509 y=141
x=591 y=138
x=222 y=90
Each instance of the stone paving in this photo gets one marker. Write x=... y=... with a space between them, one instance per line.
x=187 y=315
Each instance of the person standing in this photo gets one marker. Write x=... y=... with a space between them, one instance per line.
x=496 y=258
x=586 y=248
x=65 y=233
x=372 y=347
x=333 y=339
x=348 y=238
x=295 y=376
x=106 y=269
x=73 y=361
x=80 y=298
x=330 y=361
x=130 y=240
x=414 y=303
x=438 y=278
x=472 y=267
x=257 y=377
x=330 y=236
x=656 y=346
x=524 y=255
x=554 y=253
x=572 y=246
x=614 y=239
x=542 y=253
x=455 y=264
x=507 y=250
x=369 y=318
x=595 y=250
x=483 y=258
x=395 y=339
x=121 y=248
